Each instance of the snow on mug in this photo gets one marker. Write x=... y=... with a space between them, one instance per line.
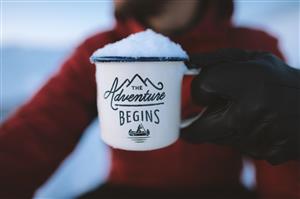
x=139 y=91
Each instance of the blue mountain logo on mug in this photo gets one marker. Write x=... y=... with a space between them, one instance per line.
x=120 y=97
x=133 y=94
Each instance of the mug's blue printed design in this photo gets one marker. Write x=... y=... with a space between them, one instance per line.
x=140 y=135
x=136 y=100
x=119 y=98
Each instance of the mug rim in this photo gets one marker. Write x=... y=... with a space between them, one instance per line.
x=95 y=59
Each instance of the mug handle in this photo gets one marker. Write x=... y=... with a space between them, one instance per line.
x=187 y=122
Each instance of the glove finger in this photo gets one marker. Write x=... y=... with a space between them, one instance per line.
x=212 y=126
x=285 y=140
x=205 y=92
x=227 y=81
x=271 y=142
x=218 y=57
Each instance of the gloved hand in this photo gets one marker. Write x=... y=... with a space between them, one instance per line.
x=253 y=104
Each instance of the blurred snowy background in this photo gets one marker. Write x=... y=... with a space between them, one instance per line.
x=37 y=36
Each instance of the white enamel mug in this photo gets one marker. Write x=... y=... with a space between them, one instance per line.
x=139 y=101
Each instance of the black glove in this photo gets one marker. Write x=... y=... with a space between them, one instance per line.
x=253 y=104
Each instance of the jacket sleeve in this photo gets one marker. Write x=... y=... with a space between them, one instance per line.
x=277 y=182
x=35 y=140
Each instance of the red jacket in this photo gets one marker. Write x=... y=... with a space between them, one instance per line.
x=37 y=138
